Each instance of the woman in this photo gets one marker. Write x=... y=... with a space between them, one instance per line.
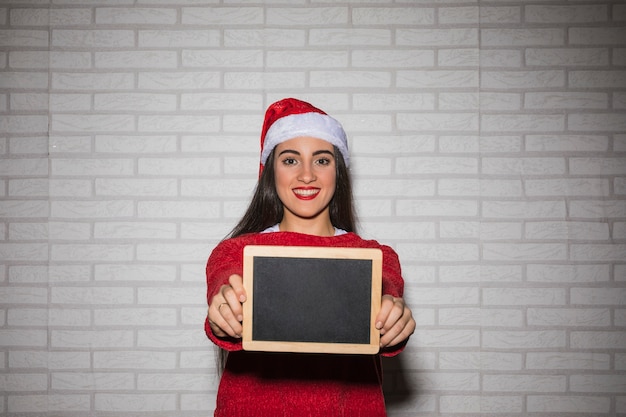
x=303 y=198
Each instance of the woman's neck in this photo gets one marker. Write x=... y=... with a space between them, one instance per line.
x=307 y=226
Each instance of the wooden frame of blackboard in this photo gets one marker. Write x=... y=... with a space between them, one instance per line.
x=334 y=322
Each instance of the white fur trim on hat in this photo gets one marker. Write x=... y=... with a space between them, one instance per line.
x=312 y=124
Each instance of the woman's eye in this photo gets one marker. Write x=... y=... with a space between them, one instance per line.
x=323 y=161
x=289 y=161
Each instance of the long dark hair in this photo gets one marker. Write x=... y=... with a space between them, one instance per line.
x=266 y=209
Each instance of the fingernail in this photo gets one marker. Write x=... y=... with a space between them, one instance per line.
x=379 y=325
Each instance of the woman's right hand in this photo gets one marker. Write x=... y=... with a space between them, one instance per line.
x=226 y=310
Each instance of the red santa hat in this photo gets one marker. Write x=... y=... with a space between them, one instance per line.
x=291 y=118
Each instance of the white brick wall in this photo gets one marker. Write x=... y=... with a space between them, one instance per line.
x=489 y=149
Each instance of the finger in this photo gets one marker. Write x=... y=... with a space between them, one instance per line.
x=400 y=331
x=219 y=325
x=386 y=305
x=396 y=310
x=236 y=282
x=233 y=325
x=218 y=319
x=230 y=297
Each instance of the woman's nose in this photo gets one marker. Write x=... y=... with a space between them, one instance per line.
x=307 y=174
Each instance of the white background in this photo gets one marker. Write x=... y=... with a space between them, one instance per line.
x=489 y=149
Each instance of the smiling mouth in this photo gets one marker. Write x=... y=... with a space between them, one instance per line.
x=306 y=193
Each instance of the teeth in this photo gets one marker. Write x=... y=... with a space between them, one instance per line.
x=306 y=192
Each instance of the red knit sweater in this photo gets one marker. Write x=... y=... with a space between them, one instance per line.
x=260 y=384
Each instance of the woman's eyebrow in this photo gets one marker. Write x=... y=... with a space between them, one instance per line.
x=321 y=151
x=289 y=151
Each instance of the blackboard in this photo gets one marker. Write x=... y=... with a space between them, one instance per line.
x=311 y=299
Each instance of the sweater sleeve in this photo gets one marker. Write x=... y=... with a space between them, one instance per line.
x=225 y=260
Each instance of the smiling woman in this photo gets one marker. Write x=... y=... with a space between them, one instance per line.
x=303 y=198
x=305 y=183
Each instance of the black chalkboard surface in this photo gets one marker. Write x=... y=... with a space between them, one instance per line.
x=311 y=299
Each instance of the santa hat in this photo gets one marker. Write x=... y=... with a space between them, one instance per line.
x=291 y=118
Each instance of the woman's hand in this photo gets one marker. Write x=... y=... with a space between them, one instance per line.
x=225 y=309
x=395 y=321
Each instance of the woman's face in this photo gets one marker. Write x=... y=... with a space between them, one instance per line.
x=305 y=177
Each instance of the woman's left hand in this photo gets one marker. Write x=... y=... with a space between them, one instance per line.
x=395 y=321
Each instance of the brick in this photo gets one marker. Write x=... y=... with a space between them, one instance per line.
x=23 y=338
x=219 y=15
x=414 y=16
x=500 y=14
x=75 y=38
x=377 y=58
x=566 y=360
x=179 y=81
x=350 y=79
x=437 y=252
x=241 y=80
x=95 y=381
x=508 y=58
x=567 y=230
x=597 y=252
x=131 y=273
x=170 y=338
x=568 y=187
x=23 y=124
x=244 y=59
x=437 y=78
x=171 y=252
x=17 y=382
x=29 y=59
x=437 y=208
x=569 y=317
x=437 y=37
x=430 y=165
x=273 y=38
x=134 y=360
x=596 y=35
x=81 y=339
x=597 y=383
x=143 y=317
x=523 y=296
x=565 y=14
x=172 y=38
x=566 y=101
x=458 y=101
x=597 y=166
x=134 y=230
x=113 y=402
x=134 y=144
x=567 y=57
x=522 y=36
x=571 y=143
x=567 y=404
x=135 y=16
x=223 y=102
x=354 y=36
x=523 y=166
x=446 y=338
x=38 y=403
x=599 y=209
x=438 y=122
x=177 y=123
x=23 y=252
x=468 y=57
x=92 y=252
x=24 y=38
